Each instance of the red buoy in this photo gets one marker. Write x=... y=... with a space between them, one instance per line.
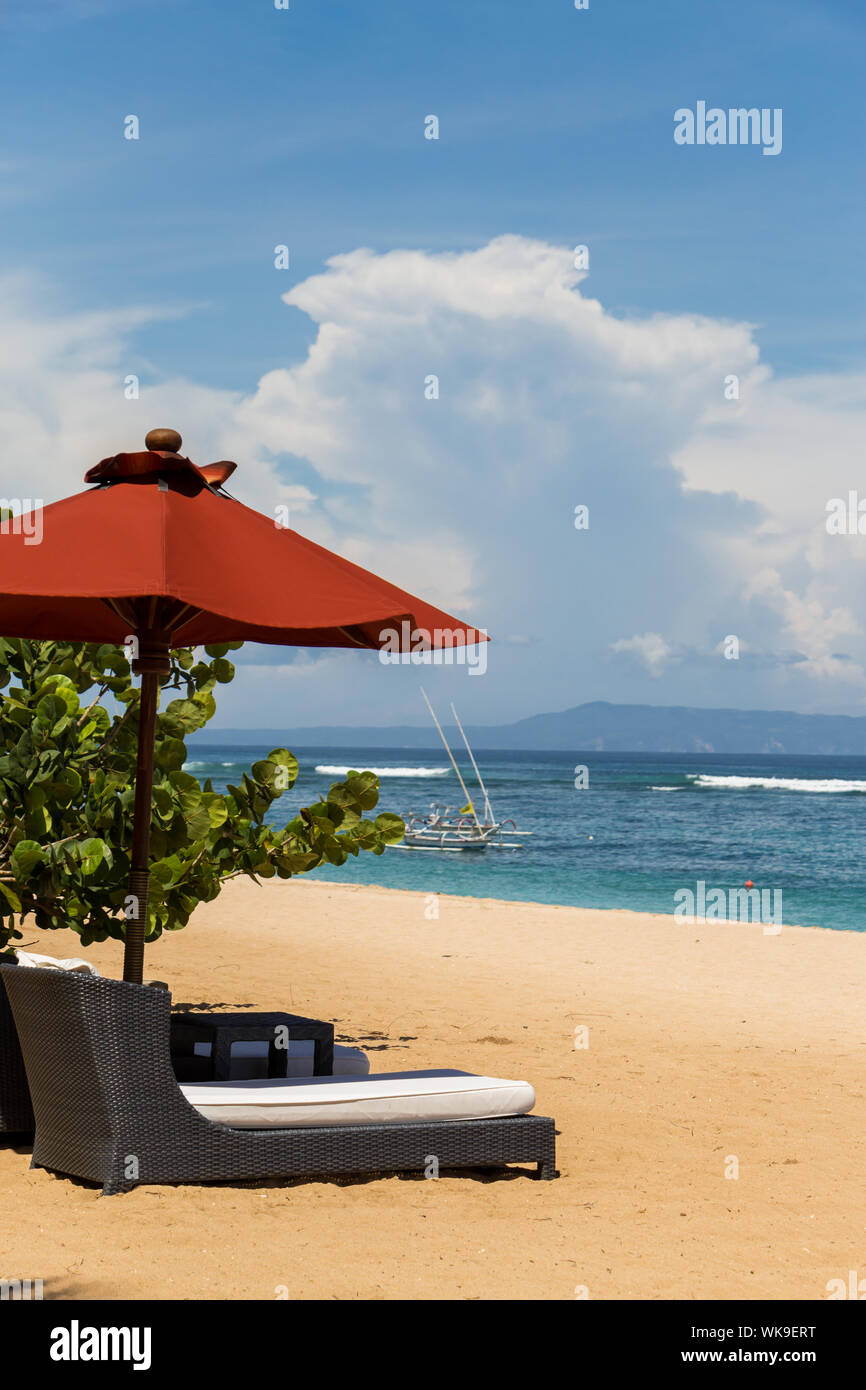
x=749 y=883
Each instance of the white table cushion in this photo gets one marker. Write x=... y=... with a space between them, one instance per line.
x=397 y=1097
x=249 y=1059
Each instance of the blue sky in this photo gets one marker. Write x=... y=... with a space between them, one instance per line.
x=305 y=127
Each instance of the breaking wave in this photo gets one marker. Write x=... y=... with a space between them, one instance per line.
x=335 y=770
x=781 y=784
x=190 y=767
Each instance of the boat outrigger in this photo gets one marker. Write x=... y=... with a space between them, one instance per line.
x=453 y=831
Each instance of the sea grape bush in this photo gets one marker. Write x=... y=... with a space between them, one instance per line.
x=67 y=774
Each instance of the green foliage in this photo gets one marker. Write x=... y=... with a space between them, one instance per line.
x=67 y=773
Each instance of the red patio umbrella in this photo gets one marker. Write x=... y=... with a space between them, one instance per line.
x=157 y=550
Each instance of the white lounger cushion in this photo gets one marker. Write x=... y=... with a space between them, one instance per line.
x=73 y=963
x=392 y=1098
x=249 y=1058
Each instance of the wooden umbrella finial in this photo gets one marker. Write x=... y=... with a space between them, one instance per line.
x=163 y=441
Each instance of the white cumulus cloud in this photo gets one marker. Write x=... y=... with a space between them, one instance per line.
x=706 y=515
x=650 y=649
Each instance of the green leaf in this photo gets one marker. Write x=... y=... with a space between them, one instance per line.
x=223 y=670
x=168 y=870
x=11 y=896
x=391 y=828
x=216 y=809
x=207 y=704
x=170 y=753
x=92 y=854
x=25 y=856
x=67 y=786
x=197 y=823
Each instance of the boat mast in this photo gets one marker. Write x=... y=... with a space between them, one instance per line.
x=488 y=809
x=451 y=756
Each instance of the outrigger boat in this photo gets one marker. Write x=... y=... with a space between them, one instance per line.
x=430 y=832
x=455 y=832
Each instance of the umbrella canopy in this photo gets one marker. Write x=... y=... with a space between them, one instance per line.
x=158 y=551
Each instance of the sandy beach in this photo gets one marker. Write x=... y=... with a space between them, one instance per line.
x=706 y=1043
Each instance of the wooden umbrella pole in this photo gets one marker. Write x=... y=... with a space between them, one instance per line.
x=153 y=662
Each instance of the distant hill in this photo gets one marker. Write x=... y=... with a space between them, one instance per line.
x=599 y=727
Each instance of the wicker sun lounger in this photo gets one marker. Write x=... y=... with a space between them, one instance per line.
x=109 y=1109
x=16 y=1112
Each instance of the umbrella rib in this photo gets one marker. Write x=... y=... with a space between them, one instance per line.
x=174 y=621
x=352 y=638
x=130 y=611
x=126 y=613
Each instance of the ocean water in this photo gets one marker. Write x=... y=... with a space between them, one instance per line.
x=646 y=826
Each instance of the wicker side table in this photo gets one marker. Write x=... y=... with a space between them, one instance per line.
x=221 y=1030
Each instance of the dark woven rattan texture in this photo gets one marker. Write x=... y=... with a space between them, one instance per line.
x=16 y=1112
x=108 y=1107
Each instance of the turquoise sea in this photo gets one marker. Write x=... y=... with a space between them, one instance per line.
x=646 y=826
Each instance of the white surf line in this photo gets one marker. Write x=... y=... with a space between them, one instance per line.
x=793 y=784
x=337 y=769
